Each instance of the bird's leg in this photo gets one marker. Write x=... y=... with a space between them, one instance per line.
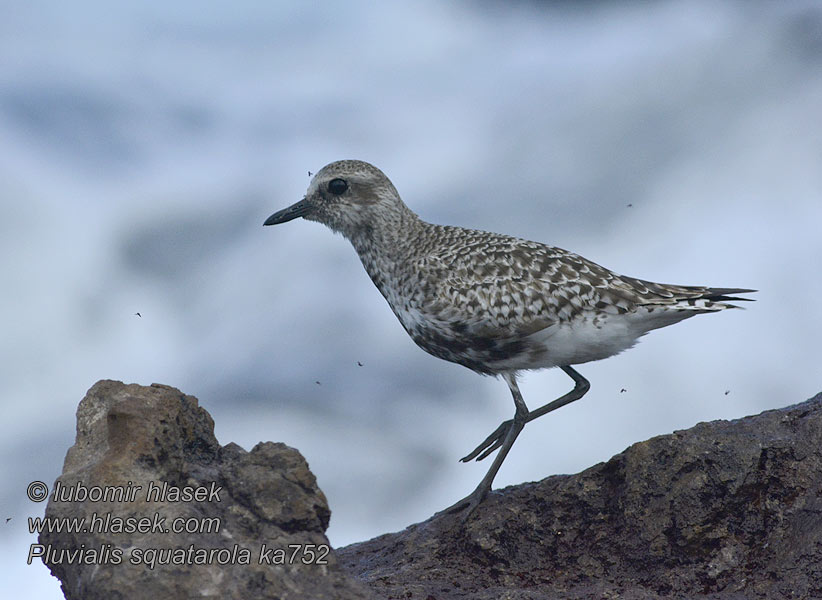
x=470 y=503
x=496 y=439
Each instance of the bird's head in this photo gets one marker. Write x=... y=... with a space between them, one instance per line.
x=351 y=197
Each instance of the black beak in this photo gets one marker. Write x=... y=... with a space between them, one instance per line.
x=299 y=209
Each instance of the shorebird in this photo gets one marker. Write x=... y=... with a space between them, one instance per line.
x=494 y=303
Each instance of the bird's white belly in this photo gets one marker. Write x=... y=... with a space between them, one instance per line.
x=582 y=340
x=590 y=338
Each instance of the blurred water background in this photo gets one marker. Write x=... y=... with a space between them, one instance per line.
x=142 y=144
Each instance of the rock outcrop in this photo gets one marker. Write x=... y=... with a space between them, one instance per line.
x=725 y=510
x=170 y=514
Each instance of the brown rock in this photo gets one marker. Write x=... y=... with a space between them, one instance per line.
x=728 y=509
x=249 y=502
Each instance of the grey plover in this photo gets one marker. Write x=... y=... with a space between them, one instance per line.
x=493 y=303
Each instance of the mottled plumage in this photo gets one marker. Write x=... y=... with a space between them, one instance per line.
x=493 y=303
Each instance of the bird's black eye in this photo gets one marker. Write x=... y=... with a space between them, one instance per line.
x=337 y=186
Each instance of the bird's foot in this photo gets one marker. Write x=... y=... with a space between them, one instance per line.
x=467 y=505
x=491 y=443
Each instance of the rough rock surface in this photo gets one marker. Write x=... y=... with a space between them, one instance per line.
x=725 y=510
x=130 y=435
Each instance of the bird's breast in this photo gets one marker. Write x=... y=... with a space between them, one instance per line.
x=454 y=341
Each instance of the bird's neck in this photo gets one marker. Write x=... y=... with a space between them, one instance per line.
x=391 y=236
x=384 y=249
